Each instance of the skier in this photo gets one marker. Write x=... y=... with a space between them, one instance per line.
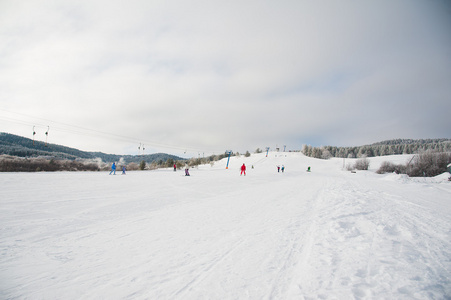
x=186 y=170
x=308 y=169
x=243 y=170
x=175 y=167
x=283 y=168
x=123 y=170
x=278 y=169
x=113 y=169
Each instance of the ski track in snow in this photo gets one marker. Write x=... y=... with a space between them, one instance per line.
x=328 y=234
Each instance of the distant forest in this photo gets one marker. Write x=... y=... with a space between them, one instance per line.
x=391 y=147
x=15 y=145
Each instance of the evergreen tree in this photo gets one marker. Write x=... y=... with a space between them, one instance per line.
x=142 y=165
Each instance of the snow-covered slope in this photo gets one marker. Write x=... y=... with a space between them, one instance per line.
x=327 y=234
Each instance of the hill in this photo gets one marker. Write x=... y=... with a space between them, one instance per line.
x=15 y=145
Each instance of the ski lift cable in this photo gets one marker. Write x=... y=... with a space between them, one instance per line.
x=68 y=128
x=61 y=126
x=95 y=133
x=78 y=129
x=62 y=129
x=37 y=127
x=22 y=122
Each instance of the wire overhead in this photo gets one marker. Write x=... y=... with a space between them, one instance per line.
x=88 y=132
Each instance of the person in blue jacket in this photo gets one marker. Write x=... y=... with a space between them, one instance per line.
x=113 y=169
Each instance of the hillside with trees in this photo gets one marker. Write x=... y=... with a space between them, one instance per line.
x=15 y=145
x=390 y=147
x=23 y=154
x=432 y=156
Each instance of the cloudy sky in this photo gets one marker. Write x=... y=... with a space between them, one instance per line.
x=207 y=76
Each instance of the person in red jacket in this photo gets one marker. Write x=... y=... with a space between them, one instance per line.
x=243 y=170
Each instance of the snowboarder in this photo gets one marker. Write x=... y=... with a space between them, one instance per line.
x=308 y=169
x=113 y=169
x=243 y=170
x=175 y=167
x=283 y=168
x=123 y=170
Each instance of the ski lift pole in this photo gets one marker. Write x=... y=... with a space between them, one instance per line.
x=229 y=152
x=47 y=135
x=34 y=133
x=141 y=149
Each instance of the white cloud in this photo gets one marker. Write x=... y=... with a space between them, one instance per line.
x=216 y=75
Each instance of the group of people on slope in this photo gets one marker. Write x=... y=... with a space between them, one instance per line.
x=186 y=169
x=243 y=169
x=113 y=169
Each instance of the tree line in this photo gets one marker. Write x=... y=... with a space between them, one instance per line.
x=391 y=147
x=432 y=156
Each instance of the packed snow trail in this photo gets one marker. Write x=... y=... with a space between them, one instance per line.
x=326 y=234
x=376 y=243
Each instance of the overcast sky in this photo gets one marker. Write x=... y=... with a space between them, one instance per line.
x=209 y=76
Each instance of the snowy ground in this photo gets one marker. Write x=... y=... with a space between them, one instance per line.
x=327 y=234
